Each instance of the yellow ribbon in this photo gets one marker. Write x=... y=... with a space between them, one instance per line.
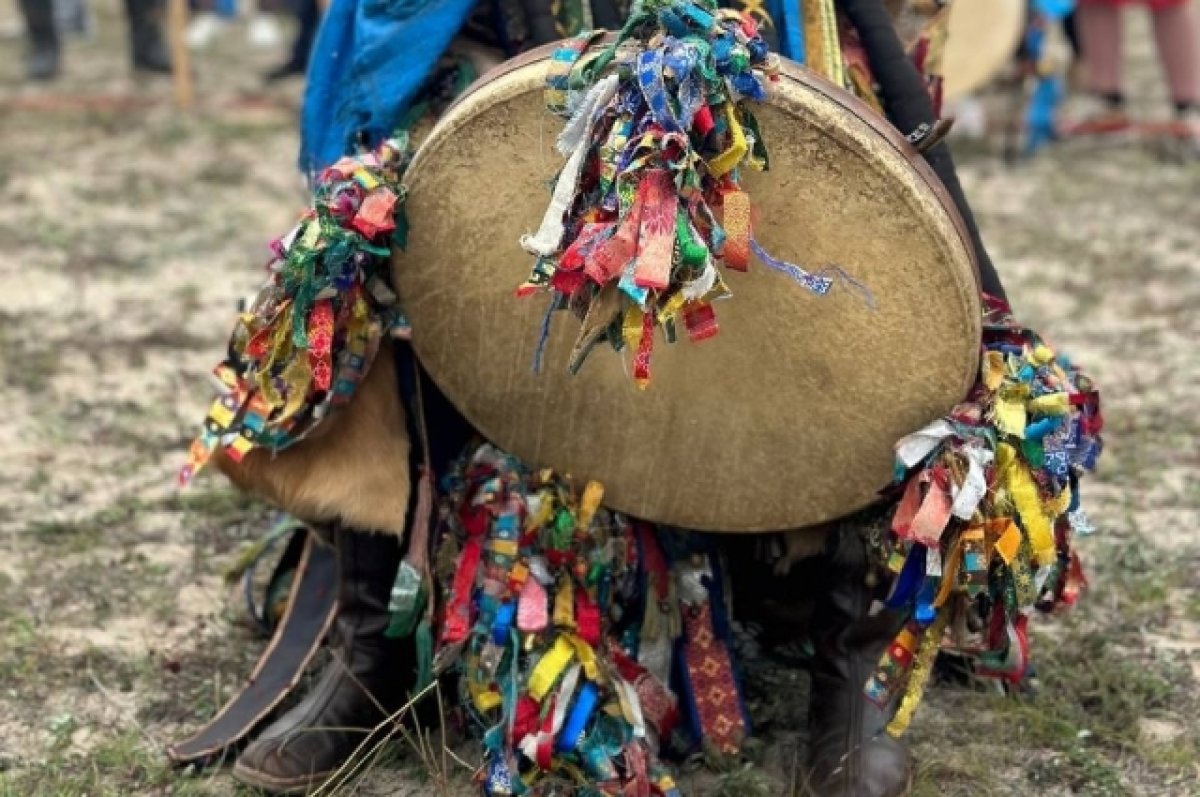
x=367 y=180
x=297 y=377
x=1050 y=404
x=727 y=160
x=586 y=656
x=993 y=370
x=550 y=667
x=564 y=605
x=593 y=494
x=671 y=307
x=504 y=547
x=949 y=574
x=822 y=43
x=631 y=327
x=1008 y=412
x=922 y=669
x=221 y=414
x=1042 y=354
x=482 y=696
x=1025 y=497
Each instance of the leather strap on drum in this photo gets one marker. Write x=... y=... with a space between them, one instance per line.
x=909 y=108
x=310 y=612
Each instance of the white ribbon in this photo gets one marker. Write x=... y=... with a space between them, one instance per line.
x=573 y=141
x=916 y=446
x=970 y=493
x=632 y=704
x=698 y=288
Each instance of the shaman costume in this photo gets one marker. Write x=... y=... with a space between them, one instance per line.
x=587 y=641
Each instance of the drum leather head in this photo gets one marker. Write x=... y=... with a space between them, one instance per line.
x=983 y=38
x=785 y=419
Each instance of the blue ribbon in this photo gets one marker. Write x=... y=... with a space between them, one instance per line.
x=911 y=576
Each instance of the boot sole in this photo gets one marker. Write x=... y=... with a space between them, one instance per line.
x=303 y=784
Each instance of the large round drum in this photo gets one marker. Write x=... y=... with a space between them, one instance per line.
x=785 y=419
x=983 y=38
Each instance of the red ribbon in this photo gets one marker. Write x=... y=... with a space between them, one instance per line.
x=700 y=320
x=655 y=561
x=376 y=214
x=525 y=718
x=924 y=519
x=545 y=745
x=587 y=618
x=320 y=344
x=458 y=611
x=610 y=258
x=656 y=241
x=641 y=361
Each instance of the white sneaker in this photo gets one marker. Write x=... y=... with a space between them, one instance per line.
x=203 y=28
x=1184 y=141
x=970 y=118
x=264 y=31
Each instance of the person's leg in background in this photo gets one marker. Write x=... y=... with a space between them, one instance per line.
x=147 y=48
x=72 y=17
x=1098 y=24
x=1177 y=36
x=308 y=18
x=44 y=54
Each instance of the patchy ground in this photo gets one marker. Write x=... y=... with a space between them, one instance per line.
x=129 y=229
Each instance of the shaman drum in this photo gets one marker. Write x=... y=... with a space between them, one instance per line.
x=785 y=419
x=983 y=38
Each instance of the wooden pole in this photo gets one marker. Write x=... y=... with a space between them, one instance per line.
x=181 y=70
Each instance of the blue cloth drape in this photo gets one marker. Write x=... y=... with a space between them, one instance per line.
x=370 y=59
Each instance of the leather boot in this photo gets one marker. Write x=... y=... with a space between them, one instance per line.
x=850 y=754
x=42 y=60
x=147 y=49
x=365 y=682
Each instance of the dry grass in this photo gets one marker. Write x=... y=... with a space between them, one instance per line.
x=126 y=237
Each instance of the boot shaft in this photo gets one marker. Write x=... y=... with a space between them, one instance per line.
x=367 y=565
x=40 y=24
x=146 y=44
x=850 y=754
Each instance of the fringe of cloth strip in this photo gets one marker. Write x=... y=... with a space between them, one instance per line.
x=566 y=625
x=305 y=343
x=649 y=205
x=989 y=505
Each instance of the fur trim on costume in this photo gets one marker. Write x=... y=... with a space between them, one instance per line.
x=353 y=468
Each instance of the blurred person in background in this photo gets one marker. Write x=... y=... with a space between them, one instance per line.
x=214 y=16
x=1177 y=38
x=146 y=46
x=73 y=17
x=308 y=19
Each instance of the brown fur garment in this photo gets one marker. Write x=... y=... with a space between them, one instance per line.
x=353 y=468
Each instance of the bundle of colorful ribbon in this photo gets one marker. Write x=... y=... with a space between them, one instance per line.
x=311 y=333
x=566 y=623
x=983 y=531
x=650 y=197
